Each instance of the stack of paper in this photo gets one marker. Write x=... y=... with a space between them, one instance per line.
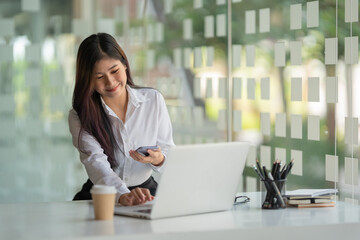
x=302 y=198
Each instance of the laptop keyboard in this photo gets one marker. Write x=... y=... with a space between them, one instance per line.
x=144 y=210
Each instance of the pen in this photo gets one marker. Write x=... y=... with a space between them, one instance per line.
x=275 y=188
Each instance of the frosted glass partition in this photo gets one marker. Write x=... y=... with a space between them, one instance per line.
x=278 y=74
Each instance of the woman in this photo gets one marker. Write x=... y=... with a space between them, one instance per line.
x=111 y=117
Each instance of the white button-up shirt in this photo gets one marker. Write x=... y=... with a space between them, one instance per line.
x=147 y=123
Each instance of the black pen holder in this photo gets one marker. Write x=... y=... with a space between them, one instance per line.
x=270 y=197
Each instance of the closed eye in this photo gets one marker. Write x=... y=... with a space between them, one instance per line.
x=113 y=72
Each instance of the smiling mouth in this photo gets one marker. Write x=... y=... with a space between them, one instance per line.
x=113 y=89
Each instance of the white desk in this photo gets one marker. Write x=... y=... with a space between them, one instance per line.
x=75 y=220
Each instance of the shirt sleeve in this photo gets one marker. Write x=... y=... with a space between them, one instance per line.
x=164 y=136
x=93 y=157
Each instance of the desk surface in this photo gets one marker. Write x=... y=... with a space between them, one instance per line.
x=75 y=220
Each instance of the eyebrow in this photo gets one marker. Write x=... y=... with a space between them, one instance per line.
x=108 y=69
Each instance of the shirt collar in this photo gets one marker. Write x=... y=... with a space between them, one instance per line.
x=135 y=96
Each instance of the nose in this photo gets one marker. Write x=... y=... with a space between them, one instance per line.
x=109 y=80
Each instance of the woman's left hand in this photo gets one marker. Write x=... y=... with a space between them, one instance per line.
x=155 y=157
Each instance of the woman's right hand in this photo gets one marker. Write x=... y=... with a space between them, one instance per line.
x=135 y=197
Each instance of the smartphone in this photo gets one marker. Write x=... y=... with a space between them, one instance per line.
x=143 y=150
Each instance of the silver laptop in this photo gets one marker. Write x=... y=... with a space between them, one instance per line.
x=196 y=179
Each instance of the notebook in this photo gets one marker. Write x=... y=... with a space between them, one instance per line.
x=310 y=192
x=198 y=178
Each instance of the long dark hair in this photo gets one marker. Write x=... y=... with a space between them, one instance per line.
x=86 y=101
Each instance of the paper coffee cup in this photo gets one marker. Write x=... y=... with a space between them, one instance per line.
x=104 y=201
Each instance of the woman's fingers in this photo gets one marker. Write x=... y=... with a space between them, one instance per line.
x=155 y=156
x=126 y=199
x=147 y=194
x=136 y=196
x=152 y=151
x=138 y=157
x=143 y=194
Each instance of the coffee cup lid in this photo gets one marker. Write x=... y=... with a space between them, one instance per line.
x=102 y=189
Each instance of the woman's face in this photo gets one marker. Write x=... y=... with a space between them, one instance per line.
x=109 y=77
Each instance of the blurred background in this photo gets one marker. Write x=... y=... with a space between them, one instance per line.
x=281 y=74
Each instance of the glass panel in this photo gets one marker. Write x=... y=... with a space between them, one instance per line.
x=283 y=79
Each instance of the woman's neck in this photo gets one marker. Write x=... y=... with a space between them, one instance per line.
x=119 y=105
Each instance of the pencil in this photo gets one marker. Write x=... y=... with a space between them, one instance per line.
x=259 y=167
x=258 y=173
x=276 y=190
x=288 y=169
